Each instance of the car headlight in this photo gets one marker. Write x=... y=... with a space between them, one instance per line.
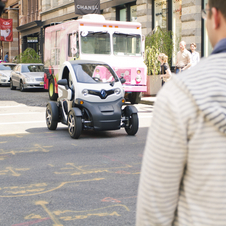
x=27 y=79
x=117 y=91
x=5 y=76
x=85 y=92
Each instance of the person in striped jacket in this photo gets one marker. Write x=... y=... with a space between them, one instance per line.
x=183 y=173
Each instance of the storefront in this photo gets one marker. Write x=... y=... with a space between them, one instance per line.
x=206 y=46
x=167 y=14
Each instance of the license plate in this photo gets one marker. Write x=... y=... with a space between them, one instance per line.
x=41 y=83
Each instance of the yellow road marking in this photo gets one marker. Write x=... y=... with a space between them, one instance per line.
x=54 y=219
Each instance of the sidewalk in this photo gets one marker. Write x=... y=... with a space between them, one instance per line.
x=148 y=100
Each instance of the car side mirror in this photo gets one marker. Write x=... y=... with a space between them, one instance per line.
x=122 y=80
x=63 y=82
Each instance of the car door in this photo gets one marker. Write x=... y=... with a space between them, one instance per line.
x=13 y=75
x=17 y=75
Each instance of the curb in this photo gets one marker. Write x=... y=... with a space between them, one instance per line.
x=147 y=102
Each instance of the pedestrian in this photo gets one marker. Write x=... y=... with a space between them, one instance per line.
x=6 y=58
x=194 y=55
x=183 y=173
x=183 y=58
x=165 y=69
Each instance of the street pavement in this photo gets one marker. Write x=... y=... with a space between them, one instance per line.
x=16 y=118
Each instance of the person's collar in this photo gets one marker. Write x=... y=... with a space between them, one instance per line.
x=220 y=47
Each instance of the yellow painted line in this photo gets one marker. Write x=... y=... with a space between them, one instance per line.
x=58 y=212
x=3 y=142
x=54 y=219
x=13 y=172
x=61 y=185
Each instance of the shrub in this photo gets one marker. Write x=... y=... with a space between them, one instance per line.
x=159 y=41
x=28 y=56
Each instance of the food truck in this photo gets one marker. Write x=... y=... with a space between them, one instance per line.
x=119 y=44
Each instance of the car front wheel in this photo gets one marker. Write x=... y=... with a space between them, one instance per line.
x=11 y=85
x=52 y=115
x=133 y=125
x=21 y=86
x=74 y=125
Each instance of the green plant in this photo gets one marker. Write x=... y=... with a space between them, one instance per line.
x=28 y=56
x=158 y=41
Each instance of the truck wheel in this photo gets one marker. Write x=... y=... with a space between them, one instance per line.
x=74 y=125
x=21 y=86
x=52 y=115
x=135 y=97
x=132 y=128
x=52 y=94
x=11 y=85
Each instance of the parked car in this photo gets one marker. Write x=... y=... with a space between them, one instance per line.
x=5 y=72
x=90 y=96
x=26 y=76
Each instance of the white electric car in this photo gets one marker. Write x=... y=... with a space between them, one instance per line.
x=90 y=96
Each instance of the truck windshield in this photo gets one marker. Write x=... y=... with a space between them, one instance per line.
x=126 y=44
x=95 y=42
x=94 y=73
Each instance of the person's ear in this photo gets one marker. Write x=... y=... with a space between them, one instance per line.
x=216 y=18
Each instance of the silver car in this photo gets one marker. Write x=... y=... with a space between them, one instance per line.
x=26 y=76
x=5 y=72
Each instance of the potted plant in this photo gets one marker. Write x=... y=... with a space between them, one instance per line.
x=158 y=41
x=28 y=56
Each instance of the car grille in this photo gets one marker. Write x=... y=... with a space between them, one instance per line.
x=39 y=79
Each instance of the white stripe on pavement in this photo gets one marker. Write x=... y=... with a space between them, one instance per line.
x=10 y=123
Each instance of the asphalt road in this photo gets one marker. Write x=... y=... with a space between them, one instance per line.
x=47 y=178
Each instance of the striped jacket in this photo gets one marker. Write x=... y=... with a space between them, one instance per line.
x=183 y=174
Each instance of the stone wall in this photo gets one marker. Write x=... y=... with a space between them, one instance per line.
x=191 y=22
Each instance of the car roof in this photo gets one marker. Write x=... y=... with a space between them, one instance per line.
x=31 y=64
x=8 y=63
x=74 y=62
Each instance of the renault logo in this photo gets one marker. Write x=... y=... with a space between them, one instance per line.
x=103 y=94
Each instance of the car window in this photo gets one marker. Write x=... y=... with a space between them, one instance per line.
x=3 y=67
x=32 y=68
x=94 y=73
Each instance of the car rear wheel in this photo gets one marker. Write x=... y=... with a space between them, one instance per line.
x=133 y=126
x=21 y=86
x=11 y=85
x=74 y=125
x=52 y=115
x=52 y=94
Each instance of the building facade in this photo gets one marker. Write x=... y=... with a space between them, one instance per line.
x=182 y=17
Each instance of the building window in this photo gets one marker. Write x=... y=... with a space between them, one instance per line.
x=161 y=14
x=206 y=48
x=176 y=27
x=127 y=12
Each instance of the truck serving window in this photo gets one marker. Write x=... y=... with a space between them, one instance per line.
x=126 y=44
x=73 y=45
x=95 y=42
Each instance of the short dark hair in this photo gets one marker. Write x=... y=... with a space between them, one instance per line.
x=219 y=5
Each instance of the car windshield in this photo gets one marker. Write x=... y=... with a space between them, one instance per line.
x=94 y=73
x=32 y=68
x=6 y=67
x=95 y=42
x=126 y=44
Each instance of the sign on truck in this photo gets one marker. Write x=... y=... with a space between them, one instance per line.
x=120 y=44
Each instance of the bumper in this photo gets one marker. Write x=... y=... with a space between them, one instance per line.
x=33 y=85
x=135 y=88
x=4 y=81
x=105 y=116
